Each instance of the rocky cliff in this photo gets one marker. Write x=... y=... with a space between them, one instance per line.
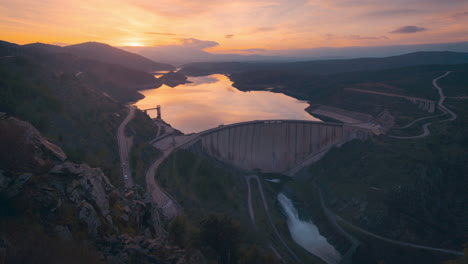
x=65 y=201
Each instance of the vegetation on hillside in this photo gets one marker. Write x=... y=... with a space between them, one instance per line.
x=411 y=190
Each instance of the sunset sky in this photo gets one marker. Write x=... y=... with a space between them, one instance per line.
x=235 y=26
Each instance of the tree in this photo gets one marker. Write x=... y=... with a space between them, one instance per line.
x=178 y=233
x=222 y=234
x=253 y=255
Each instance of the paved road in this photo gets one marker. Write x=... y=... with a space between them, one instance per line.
x=412 y=98
x=396 y=242
x=265 y=206
x=123 y=142
x=440 y=104
x=420 y=119
x=347 y=257
x=169 y=206
x=334 y=218
x=249 y=200
x=426 y=132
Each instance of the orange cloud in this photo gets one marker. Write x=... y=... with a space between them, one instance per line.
x=265 y=24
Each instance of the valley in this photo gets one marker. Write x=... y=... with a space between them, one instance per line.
x=299 y=162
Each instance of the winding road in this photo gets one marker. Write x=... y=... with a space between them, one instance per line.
x=440 y=105
x=442 y=96
x=420 y=119
x=334 y=218
x=267 y=211
x=123 y=142
x=347 y=257
x=396 y=242
x=170 y=208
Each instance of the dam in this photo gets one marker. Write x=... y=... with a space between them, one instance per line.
x=273 y=146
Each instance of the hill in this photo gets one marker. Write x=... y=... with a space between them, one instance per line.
x=77 y=103
x=116 y=80
x=109 y=54
x=330 y=66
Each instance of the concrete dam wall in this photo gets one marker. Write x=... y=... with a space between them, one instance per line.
x=280 y=146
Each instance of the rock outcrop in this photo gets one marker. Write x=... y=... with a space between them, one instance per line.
x=22 y=148
x=73 y=201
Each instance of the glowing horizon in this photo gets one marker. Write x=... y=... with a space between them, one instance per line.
x=235 y=26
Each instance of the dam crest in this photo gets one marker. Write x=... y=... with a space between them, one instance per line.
x=273 y=146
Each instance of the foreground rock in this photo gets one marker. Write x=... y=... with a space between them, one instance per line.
x=74 y=202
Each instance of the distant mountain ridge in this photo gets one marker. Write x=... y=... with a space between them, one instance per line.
x=180 y=55
x=106 y=53
x=331 y=66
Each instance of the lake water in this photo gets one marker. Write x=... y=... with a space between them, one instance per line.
x=306 y=234
x=211 y=101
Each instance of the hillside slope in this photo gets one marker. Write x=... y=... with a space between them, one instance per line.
x=330 y=66
x=109 y=54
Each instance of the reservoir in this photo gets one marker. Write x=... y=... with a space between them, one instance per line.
x=210 y=101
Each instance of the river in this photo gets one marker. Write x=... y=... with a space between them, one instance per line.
x=306 y=234
x=210 y=101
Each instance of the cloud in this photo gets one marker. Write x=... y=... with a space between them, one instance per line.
x=263 y=29
x=392 y=12
x=353 y=37
x=228 y=36
x=408 y=30
x=460 y=15
x=159 y=33
x=198 y=44
x=359 y=37
x=250 y=50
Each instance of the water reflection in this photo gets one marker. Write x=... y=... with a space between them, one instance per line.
x=210 y=101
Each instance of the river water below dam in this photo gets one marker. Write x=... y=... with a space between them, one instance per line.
x=210 y=101
x=306 y=234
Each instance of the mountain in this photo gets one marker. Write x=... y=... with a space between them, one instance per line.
x=109 y=54
x=180 y=54
x=330 y=66
x=368 y=64
x=42 y=47
x=62 y=194
x=106 y=53
x=115 y=80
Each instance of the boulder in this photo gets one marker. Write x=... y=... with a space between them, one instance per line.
x=23 y=149
x=92 y=182
x=88 y=215
x=11 y=186
x=63 y=232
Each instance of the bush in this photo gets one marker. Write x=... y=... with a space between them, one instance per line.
x=222 y=234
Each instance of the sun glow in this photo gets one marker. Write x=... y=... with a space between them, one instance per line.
x=134 y=44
